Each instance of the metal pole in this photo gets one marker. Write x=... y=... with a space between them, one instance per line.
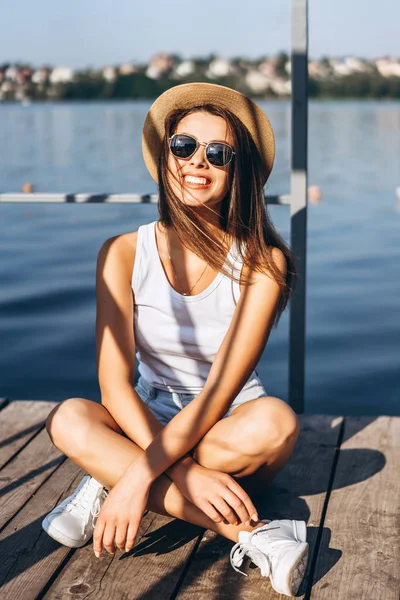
x=298 y=209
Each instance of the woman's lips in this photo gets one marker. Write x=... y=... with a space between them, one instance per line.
x=190 y=182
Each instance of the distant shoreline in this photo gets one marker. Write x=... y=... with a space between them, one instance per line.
x=267 y=77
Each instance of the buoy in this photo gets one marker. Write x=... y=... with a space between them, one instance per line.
x=314 y=194
x=27 y=188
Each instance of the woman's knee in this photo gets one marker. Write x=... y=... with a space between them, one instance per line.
x=258 y=432
x=68 y=421
x=268 y=425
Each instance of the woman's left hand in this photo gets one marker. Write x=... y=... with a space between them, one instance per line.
x=120 y=516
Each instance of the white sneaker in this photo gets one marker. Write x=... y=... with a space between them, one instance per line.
x=72 y=522
x=280 y=549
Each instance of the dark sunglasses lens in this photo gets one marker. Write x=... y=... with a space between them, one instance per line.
x=218 y=154
x=182 y=146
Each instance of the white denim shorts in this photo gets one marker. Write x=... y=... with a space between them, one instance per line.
x=165 y=404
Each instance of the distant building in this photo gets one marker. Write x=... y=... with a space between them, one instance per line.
x=127 y=69
x=22 y=77
x=158 y=65
x=185 y=68
x=257 y=82
x=109 y=73
x=11 y=74
x=281 y=87
x=348 y=65
x=61 y=75
x=267 y=67
x=388 y=67
x=339 y=67
x=318 y=70
x=7 y=90
x=219 y=67
x=41 y=75
x=356 y=65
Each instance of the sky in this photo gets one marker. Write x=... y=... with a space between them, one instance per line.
x=95 y=33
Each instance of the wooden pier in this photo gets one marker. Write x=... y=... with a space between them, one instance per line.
x=343 y=479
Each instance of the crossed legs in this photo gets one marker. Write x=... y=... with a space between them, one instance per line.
x=252 y=445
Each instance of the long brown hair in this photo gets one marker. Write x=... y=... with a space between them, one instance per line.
x=244 y=215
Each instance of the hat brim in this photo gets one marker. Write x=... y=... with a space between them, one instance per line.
x=196 y=94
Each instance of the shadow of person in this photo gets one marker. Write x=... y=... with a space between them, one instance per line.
x=303 y=485
x=24 y=548
x=299 y=491
x=331 y=556
x=165 y=539
x=361 y=464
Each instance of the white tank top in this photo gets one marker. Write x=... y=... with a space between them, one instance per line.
x=176 y=336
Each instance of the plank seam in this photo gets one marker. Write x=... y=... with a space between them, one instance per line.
x=186 y=567
x=308 y=591
x=55 y=574
x=24 y=446
x=30 y=497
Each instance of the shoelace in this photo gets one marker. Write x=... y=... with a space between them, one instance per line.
x=259 y=558
x=82 y=499
x=96 y=507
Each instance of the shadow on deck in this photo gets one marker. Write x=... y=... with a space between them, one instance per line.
x=342 y=479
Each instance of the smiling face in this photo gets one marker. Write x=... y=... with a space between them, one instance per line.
x=194 y=180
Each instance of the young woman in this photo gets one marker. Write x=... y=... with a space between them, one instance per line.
x=196 y=294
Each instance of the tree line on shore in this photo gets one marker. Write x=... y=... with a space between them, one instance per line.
x=362 y=80
x=91 y=86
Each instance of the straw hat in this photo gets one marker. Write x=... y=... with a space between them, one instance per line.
x=197 y=94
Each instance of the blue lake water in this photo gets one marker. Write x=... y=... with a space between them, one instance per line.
x=48 y=252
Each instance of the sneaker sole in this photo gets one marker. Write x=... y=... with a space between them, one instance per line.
x=298 y=573
x=292 y=575
x=60 y=537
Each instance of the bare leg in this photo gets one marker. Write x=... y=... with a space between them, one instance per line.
x=91 y=438
x=252 y=444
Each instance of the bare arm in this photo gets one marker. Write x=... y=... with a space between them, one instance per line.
x=243 y=343
x=115 y=344
x=239 y=353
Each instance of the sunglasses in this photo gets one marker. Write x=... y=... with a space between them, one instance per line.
x=184 y=146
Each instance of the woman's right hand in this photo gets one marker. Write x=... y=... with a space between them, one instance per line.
x=217 y=494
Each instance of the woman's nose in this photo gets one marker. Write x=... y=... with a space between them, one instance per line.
x=199 y=157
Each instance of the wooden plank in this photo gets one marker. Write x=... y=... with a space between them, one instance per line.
x=362 y=520
x=150 y=572
x=21 y=477
x=298 y=492
x=20 y=421
x=29 y=556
